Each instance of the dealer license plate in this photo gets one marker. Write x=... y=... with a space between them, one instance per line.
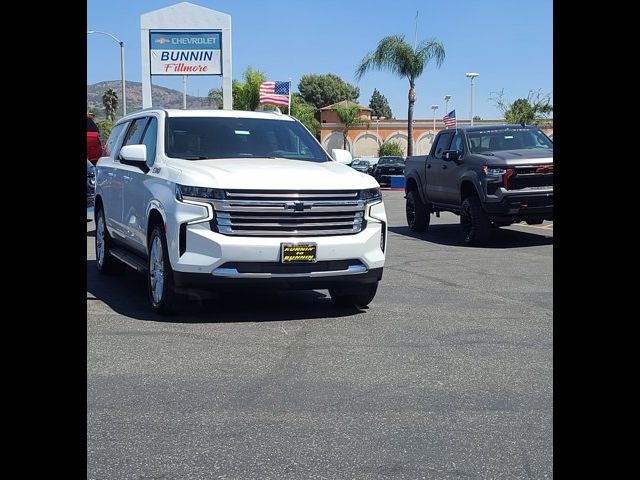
x=298 y=252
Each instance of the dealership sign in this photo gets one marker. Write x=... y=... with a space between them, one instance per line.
x=185 y=53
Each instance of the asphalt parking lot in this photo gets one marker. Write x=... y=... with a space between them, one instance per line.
x=448 y=373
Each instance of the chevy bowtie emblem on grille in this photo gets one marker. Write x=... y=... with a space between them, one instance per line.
x=545 y=169
x=296 y=206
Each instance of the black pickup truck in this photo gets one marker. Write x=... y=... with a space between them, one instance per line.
x=490 y=175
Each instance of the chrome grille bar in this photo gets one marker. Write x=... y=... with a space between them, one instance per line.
x=289 y=213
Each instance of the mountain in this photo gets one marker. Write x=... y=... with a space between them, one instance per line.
x=161 y=97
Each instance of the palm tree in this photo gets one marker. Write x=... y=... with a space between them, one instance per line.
x=110 y=102
x=349 y=116
x=397 y=56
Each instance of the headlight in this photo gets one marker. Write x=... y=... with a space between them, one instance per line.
x=493 y=171
x=370 y=194
x=185 y=191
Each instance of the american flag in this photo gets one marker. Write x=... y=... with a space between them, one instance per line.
x=450 y=119
x=275 y=93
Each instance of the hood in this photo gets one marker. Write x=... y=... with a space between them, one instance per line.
x=528 y=156
x=270 y=174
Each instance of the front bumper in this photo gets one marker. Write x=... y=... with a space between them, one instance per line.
x=308 y=281
x=199 y=255
x=520 y=206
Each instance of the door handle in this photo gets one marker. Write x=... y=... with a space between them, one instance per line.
x=428 y=165
x=444 y=167
x=111 y=174
x=126 y=178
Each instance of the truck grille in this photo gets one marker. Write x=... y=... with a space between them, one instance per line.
x=280 y=213
x=531 y=176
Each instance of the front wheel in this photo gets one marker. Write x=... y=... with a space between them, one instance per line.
x=160 y=274
x=418 y=216
x=359 y=296
x=107 y=264
x=476 y=227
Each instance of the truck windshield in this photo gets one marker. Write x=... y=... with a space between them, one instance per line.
x=199 y=138
x=511 y=139
x=391 y=161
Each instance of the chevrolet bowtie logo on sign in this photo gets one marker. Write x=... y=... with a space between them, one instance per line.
x=163 y=40
x=296 y=206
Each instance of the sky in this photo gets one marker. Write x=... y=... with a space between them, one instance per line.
x=509 y=43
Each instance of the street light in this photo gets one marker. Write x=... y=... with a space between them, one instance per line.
x=124 y=91
x=471 y=75
x=434 y=108
x=446 y=103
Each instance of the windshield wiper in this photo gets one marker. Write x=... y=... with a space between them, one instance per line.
x=194 y=157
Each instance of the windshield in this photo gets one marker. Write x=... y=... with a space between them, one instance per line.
x=360 y=162
x=199 y=138
x=391 y=161
x=511 y=139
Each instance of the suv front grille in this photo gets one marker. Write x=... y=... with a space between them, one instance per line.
x=281 y=213
x=531 y=176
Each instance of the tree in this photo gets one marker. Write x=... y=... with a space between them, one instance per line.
x=390 y=149
x=380 y=105
x=214 y=97
x=305 y=112
x=349 y=115
x=323 y=90
x=397 y=56
x=246 y=95
x=110 y=102
x=531 y=110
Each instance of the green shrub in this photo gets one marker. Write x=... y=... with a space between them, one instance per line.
x=391 y=149
x=105 y=127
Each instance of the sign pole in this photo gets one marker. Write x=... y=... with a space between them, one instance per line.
x=184 y=92
x=289 y=110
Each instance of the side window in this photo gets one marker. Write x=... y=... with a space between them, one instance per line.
x=457 y=143
x=134 y=134
x=150 y=140
x=113 y=138
x=443 y=144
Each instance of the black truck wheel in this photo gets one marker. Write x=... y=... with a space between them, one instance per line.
x=476 y=227
x=418 y=217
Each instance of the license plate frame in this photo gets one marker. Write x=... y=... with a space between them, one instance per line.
x=305 y=252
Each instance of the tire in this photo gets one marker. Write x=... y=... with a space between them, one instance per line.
x=160 y=284
x=476 y=227
x=418 y=216
x=360 y=296
x=107 y=264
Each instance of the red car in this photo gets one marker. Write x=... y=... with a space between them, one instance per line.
x=94 y=143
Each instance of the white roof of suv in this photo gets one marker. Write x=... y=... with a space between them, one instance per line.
x=226 y=113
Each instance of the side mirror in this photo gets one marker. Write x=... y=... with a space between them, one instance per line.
x=451 y=155
x=341 y=156
x=133 y=155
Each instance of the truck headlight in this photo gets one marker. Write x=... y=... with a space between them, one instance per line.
x=493 y=171
x=202 y=193
x=370 y=194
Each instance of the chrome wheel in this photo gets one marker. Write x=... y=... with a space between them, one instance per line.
x=100 y=241
x=156 y=270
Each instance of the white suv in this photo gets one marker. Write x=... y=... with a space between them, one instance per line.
x=204 y=198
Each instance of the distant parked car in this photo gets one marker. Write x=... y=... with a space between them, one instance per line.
x=91 y=183
x=361 y=165
x=94 y=142
x=386 y=167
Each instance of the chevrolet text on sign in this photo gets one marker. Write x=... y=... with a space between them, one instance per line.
x=185 y=53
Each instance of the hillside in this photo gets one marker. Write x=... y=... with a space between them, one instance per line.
x=162 y=97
